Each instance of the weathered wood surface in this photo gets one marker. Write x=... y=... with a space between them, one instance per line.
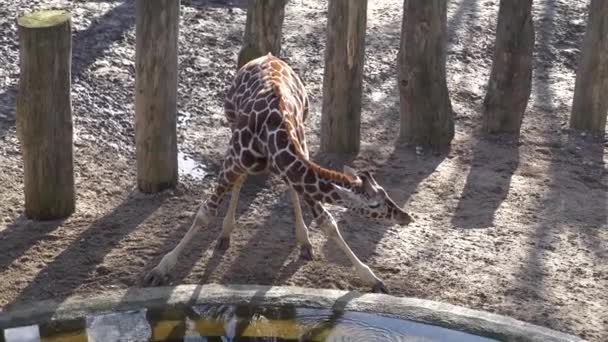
x=511 y=78
x=590 y=105
x=263 y=30
x=426 y=110
x=343 y=76
x=44 y=114
x=156 y=31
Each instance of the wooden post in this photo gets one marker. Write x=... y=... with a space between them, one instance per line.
x=263 y=30
x=590 y=104
x=44 y=114
x=156 y=37
x=426 y=110
x=511 y=79
x=342 y=80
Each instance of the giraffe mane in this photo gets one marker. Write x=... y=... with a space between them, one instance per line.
x=289 y=119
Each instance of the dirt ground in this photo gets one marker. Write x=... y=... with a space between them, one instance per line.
x=513 y=227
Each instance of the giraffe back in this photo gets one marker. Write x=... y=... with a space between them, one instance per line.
x=265 y=97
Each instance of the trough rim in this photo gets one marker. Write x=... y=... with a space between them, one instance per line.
x=440 y=314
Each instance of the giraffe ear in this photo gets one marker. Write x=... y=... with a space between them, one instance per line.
x=350 y=171
x=349 y=196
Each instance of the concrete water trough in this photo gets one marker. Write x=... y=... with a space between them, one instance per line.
x=257 y=313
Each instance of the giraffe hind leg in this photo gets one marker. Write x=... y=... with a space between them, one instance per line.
x=230 y=218
x=306 y=252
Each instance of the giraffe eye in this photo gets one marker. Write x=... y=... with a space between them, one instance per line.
x=374 y=205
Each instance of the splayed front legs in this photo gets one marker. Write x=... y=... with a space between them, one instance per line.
x=229 y=178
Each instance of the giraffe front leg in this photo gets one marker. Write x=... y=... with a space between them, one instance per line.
x=230 y=219
x=160 y=274
x=301 y=229
x=228 y=177
x=330 y=227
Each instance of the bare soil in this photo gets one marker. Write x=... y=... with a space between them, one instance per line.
x=513 y=227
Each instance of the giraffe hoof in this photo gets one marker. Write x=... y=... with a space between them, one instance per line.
x=306 y=253
x=156 y=278
x=379 y=287
x=223 y=243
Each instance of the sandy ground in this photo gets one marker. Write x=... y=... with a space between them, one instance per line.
x=514 y=227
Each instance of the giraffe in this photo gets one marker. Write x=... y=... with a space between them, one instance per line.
x=266 y=107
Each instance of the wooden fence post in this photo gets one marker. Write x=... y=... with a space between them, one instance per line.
x=343 y=76
x=263 y=30
x=44 y=114
x=426 y=110
x=590 y=105
x=156 y=36
x=511 y=79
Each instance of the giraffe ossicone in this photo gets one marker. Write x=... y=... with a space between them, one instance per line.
x=266 y=107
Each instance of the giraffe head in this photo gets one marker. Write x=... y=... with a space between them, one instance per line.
x=371 y=200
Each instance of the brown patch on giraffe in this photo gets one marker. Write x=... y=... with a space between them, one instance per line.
x=247 y=159
x=311 y=177
x=260 y=165
x=298 y=188
x=274 y=120
x=241 y=89
x=251 y=124
x=325 y=187
x=281 y=139
x=273 y=102
x=275 y=65
x=294 y=173
x=246 y=94
x=254 y=85
x=310 y=188
x=284 y=159
x=272 y=144
x=260 y=105
x=245 y=137
x=260 y=120
x=318 y=197
x=335 y=196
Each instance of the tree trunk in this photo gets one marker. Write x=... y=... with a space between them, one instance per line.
x=426 y=111
x=342 y=80
x=591 y=90
x=44 y=114
x=156 y=94
x=263 y=30
x=511 y=79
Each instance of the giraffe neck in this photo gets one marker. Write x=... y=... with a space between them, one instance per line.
x=316 y=182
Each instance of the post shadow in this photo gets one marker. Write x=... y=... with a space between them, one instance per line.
x=69 y=270
x=22 y=234
x=203 y=4
x=558 y=208
x=495 y=160
x=457 y=20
